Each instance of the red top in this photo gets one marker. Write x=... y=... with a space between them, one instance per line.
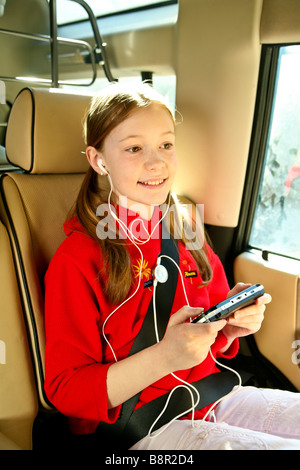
x=77 y=356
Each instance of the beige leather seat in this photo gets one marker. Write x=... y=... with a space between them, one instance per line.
x=45 y=140
x=18 y=396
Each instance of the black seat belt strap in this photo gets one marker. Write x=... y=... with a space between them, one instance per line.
x=210 y=389
x=133 y=424
x=164 y=300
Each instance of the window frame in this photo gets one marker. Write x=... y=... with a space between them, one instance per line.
x=267 y=85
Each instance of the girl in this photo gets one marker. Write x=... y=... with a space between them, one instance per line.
x=100 y=284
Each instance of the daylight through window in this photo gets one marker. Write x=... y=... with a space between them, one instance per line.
x=276 y=226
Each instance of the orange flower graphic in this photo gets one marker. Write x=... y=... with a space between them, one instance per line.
x=143 y=269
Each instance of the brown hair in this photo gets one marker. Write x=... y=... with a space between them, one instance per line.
x=108 y=109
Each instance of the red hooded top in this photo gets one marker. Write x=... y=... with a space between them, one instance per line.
x=77 y=356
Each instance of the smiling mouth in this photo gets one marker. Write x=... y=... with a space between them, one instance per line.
x=152 y=182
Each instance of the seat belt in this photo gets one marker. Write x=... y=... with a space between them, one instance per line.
x=165 y=293
x=133 y=425
x=210 y=389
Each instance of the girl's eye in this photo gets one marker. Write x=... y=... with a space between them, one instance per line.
x=133 y=149
x=167 y=146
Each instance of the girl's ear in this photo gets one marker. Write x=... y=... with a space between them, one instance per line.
x=95 y=160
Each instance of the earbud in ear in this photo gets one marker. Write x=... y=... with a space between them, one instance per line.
x=100 y=165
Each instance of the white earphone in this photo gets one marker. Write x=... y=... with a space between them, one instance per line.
x=100 y=165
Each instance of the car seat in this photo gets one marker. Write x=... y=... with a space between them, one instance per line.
x=44 y=140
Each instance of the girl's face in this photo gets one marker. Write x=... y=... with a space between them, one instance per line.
x=139 y=155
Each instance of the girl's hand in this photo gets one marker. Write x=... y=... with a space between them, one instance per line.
x=187 y=344
x=247 y=320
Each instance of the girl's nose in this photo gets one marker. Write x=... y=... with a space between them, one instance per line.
x=154 y=160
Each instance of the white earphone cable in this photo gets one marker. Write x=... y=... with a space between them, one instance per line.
x=186 y=385
x=183 y=384
x=135 y=241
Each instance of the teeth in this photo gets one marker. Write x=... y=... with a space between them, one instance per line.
x=153 y=183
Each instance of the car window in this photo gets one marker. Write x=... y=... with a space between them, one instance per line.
x=276 y=224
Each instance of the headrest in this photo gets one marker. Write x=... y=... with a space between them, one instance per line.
x=44 y=132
